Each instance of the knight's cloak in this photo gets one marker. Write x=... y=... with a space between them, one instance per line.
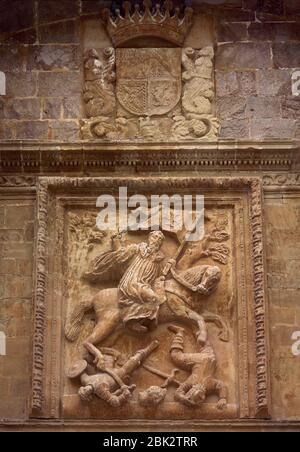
x=111 y=265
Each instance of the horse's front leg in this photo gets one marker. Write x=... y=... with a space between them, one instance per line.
x=104 y=328
x=220 y=323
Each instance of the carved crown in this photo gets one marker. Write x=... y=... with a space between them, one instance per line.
x=163 y=21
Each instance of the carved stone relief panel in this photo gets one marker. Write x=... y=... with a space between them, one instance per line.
x=147 y=325
x=149 y=93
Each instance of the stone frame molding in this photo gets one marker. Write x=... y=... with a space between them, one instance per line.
x=47 y=345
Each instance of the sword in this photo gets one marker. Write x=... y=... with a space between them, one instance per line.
x=169 y=379
x=180 y=250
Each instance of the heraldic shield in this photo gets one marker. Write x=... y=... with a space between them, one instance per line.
x=149 y=80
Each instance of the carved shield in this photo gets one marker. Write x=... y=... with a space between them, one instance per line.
x=148 y=80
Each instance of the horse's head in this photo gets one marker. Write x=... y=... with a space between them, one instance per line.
x=209 y=280
x=204 y=278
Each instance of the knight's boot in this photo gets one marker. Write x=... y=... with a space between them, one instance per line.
x=135 y=361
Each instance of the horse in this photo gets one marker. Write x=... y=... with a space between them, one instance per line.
x=182 y=295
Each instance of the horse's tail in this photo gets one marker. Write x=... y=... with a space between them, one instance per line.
x=74 y=320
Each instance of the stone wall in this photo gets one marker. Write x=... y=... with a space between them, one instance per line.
x=16 y=267
x=40 y=52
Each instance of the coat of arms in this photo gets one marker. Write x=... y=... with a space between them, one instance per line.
x=148 y=80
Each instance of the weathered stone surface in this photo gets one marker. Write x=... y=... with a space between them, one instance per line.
x=230 y=107
x=32 y=130
x=274 y=82
x=232 y=32
x=16 y=15
x=263 y=107
x=18 y=287
x=274 y=31
x=21 y=37
x=52 y=108
x=2 y=215
x=29 y=108
x=64 y=130
x=292 y=7
x=235 y=128
x=237 y=15
x=297 y=130
x=243 y=56
x=286 y=54
x=93 y=6
x=66 y=32
x=72 y=108
x=6 y=130
x=64 y=84
x=12 y=58
x=8 y=266
x=235 y=83
x=22 y=84
x=284 y=298
x=53 y=57
x=291 y=107
x=52 y=10
x=268 y=128
x=13 y=221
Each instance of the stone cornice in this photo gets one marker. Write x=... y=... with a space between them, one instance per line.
x=32 y=157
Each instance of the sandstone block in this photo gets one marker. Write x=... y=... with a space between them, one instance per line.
x=13 y=408
x=18 y=215
x=65 y=130
x=29 y=108
x=72 y=108
x=269 y=128
x=60 y=33
x=16 y=15
x=297 y=129
x=232 y=32
x=235 y=83
x=230 y=107
x=263 y=107
x=292 y=7
x=22 y=84
x=234 y=128
x=18 y=287
x=286 y=54
x=7 y=130
x=52 y=10
x=245 y=55
x=52 y=108
x=8 y=266
x=52 y=57
x=274 y=82
x=12 y=58
x=64 y=84
x=274 y=31
x=32 y=130
x=291 y=107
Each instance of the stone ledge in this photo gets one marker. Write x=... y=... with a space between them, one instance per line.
x=28 y=157
x=161 y=426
